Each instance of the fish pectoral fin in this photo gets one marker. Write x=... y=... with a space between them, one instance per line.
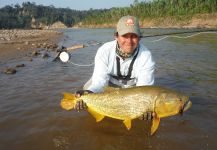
x=127 y=123
x=155 y=124
x=95 y=114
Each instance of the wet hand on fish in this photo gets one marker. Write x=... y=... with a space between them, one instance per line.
x=147 y=116
x=81 y=105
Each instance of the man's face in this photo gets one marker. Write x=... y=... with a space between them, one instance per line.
x=128 y=42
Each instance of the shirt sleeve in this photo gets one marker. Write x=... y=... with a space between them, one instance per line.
x=100 y=75
x=146 y=69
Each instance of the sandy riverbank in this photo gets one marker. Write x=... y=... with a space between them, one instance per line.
x=15 y=43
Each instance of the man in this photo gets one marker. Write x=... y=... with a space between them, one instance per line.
x=124 y=62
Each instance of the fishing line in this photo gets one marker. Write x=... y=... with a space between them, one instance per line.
x=67 y=59
x=181 y=37
x=80 y=65
x=64 y=56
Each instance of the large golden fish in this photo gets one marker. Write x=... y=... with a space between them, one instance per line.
x=130 y=103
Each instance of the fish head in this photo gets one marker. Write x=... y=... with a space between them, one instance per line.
x=170 y=103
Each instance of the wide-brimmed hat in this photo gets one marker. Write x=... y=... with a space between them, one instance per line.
x=128 y=24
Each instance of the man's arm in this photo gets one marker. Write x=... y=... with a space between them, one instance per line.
x=146 y=70
x=100 y=75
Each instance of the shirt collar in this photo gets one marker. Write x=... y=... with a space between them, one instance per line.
x=124 y=55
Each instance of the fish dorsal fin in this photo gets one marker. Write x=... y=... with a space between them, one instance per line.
x=95 y=114
x=155 y=124
x=110 y=89
x=127 y=123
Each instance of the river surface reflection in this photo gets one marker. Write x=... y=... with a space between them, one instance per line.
x=31 y=117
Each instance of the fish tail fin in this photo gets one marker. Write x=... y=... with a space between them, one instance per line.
x=155 y=124
x=68 y=101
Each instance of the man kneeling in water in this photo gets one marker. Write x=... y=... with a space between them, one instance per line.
x=123 y=63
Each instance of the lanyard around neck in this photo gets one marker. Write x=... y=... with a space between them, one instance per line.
x=130 y=67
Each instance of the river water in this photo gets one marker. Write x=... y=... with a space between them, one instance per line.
x=31 y=117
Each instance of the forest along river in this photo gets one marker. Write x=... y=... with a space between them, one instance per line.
x=31 y=117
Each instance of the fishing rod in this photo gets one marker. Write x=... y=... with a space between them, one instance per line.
x=183 y=32
x=64 y=56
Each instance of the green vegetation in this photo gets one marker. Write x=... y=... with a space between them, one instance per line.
x=154 y=9
x=22 y=16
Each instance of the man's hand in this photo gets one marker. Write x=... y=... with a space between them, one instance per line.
x=81 y=105
x=79 y=93
x=147 y=116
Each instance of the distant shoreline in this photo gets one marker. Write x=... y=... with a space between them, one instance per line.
x=208 y=21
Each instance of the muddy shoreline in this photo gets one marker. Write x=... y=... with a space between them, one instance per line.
x=15 y=43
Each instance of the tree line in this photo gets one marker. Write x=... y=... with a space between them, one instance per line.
x=21 y=16
x=153 y=9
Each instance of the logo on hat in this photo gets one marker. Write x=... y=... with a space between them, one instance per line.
x=130 y=22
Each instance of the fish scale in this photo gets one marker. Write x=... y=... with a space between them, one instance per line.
x=121 y=108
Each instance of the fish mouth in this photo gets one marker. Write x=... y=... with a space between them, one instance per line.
x=185 y=107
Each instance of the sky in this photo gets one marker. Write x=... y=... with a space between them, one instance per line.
x=74 y=4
